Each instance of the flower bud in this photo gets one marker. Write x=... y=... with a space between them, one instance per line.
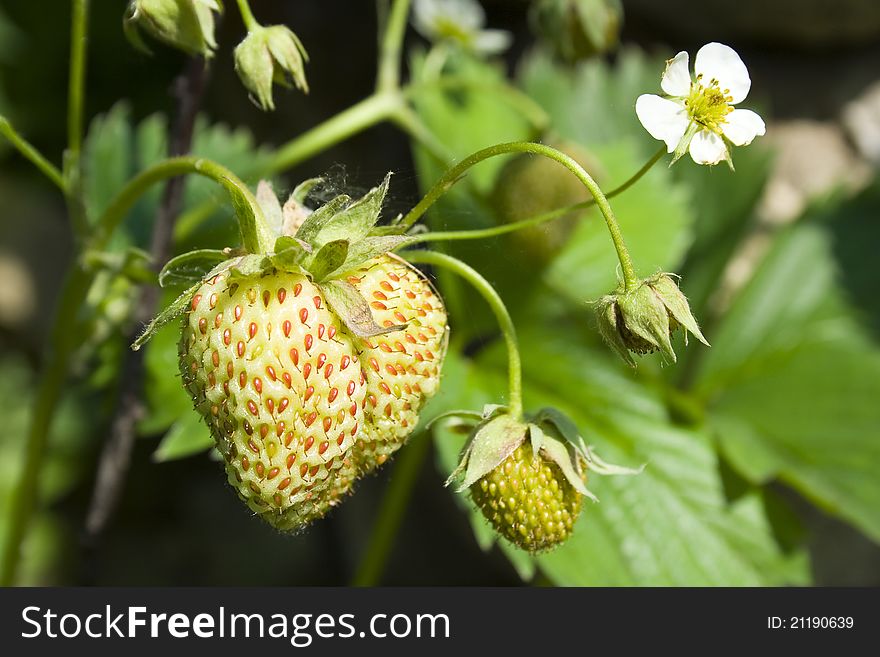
x=268 y=55
x=578 y=29
x=642 y=320
x=187 y=25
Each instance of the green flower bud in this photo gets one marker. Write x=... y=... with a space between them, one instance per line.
x=642 y=320
x=187 y=25
x=578 y=29
x=270 y=55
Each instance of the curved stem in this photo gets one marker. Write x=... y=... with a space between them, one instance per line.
x=537 y=219
x=256 y=237
x=32 y=154
x=391 y=511
x=247 y=16
x=448 y=179
x=481 y=285
x=388 y=74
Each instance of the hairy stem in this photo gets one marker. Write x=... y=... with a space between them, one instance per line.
x=537 y=219
x=256 y=237
x=247 y=16
x=32 y=154
x=485 y=289
x=391 y=47
x=452 y=175
x=391 y=512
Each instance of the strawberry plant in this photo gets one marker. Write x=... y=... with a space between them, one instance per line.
x=519 y=297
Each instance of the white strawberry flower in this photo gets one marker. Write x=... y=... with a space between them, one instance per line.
x=697 y=114
x=461 y=22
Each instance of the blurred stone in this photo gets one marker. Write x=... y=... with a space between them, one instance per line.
x=812 y=158
x=17 y=291
x=861 y=118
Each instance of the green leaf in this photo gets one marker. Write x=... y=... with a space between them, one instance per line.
x=492 y=442
x=793 y=379
x=358 y=219
x=328 y=259
x=191 y=267
x=369 y=248
x=270 y=206
x=186 y=437
x=347 y=302
x=316 y=221
x=169 y=314
x=670 y=525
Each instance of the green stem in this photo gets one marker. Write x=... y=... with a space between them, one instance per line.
x=256 y=236
x=368 y=112
x=391 y=512
x=27 y=487
x=388 y=73
x=32 y=154
x=358 y=117
x=523 y=103
x=256 y=239
x=75 y=103
x=410 y=123
x=538 y=219
x=448 y=179
x=247 y=16
x=472 y=276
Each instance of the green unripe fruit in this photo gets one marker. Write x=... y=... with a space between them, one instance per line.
x=528 y=501
x=530 y=185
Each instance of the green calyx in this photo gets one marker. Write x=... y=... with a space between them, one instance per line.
x=643 y=319
x=271 y=55
x=324 y=245
x=187 y=25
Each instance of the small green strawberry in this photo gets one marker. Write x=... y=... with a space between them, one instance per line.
x=309 y=364
x=527 y=477
x=528 y=501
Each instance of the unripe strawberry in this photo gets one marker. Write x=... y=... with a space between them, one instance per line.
x=528 y=186
x=403 y=367
x=278 y=380
x=309 y=359
x=528 y=501
x=297 y=405
x=528 y=476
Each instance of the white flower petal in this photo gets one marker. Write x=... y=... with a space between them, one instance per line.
x=720 y=62
x=492 y=42
x=742 y=126
x=664 y=119
x=707 y=148
x=676 y=80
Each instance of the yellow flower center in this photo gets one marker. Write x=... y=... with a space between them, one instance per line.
x=708 y=104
